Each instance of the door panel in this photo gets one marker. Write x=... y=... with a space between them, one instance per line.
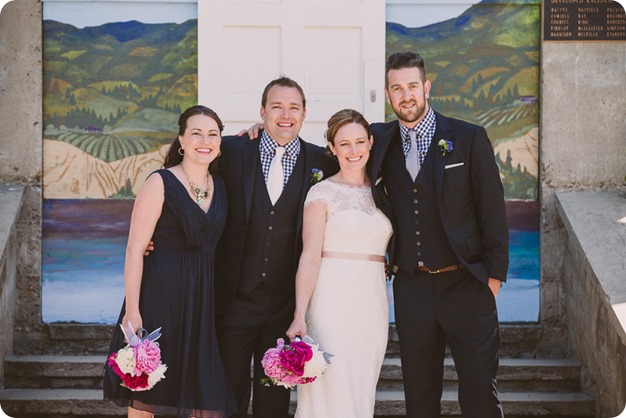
x=334 y=49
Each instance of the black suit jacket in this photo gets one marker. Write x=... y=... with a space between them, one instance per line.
x=470 y=195
x=238 y=168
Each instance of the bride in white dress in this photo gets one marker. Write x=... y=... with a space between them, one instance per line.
x=341 y=299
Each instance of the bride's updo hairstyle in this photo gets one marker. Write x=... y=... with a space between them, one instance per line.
x=341 y=118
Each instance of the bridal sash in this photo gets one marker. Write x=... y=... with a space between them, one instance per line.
x=353 y=256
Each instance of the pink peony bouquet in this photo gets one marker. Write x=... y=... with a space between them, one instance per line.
x=139 y=363
x=298 y=363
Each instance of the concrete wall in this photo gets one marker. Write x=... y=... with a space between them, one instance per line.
x=10 y=203
x=594 y=280
x=21 y=92
x=582 y=146
x=21 y=154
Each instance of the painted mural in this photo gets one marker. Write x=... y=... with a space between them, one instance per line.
x=117 y=74
x=113 y=91
x=483 y=61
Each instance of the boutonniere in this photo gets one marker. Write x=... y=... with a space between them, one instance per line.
x=316 y=175
x=445 y=146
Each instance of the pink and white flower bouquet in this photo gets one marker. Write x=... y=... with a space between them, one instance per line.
x=139 y=363
x=298 y=363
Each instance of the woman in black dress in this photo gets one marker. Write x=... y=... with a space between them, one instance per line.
x=183 y=208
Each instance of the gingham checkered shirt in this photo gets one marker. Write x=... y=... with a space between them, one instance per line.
x=267 y=149
x=425 y=133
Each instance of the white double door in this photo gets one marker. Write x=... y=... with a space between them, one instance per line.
x=335 y=49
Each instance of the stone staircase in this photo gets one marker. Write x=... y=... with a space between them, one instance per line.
x=66 y=380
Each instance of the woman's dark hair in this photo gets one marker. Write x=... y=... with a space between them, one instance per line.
x=173 y=157
x=341 y=118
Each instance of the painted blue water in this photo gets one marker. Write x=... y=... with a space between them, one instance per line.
x=83 y=263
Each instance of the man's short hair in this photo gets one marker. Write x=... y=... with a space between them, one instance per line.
x=401 y=60
x=283 y=81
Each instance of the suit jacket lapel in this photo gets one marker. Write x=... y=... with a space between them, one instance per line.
x=381 y=145
x=306 y=179
x=442 y=131
x=250 y=156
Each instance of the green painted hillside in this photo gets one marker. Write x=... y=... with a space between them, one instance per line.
x=484 y=68
x=118 y=82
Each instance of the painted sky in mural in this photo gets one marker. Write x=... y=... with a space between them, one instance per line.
x=81 y=14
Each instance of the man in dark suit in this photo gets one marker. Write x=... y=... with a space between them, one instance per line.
x=258 y=255
x=437 y=179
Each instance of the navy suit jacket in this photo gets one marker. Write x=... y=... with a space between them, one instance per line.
x=238 y=168
x=470 y=196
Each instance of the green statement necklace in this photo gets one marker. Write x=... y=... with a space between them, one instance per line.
x=200 y=194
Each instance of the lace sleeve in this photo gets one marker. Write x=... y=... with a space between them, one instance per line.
x=316 y=194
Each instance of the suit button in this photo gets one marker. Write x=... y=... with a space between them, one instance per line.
x=418 y=243
x=271 y=212
x=417 y=232
x=267 y=244
x=414 y=190
x=421 y=263
x=270 y=228
x=415 y=201
x=266 y=259
x=416 y=212
x=263 y=275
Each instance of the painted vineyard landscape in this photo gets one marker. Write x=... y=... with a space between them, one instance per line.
x=484 y=66
x=112 y=96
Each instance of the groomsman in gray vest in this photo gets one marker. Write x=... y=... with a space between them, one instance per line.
x=437 y=179
x=267 y=181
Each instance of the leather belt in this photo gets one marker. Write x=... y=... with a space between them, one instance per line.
x=353 y=256
x=441 y=270
x=426 y=269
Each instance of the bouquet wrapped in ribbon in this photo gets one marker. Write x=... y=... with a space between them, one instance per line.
x=139 y=363
x=293 y=364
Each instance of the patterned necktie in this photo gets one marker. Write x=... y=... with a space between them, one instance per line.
x=275 y=175
x=412 y=160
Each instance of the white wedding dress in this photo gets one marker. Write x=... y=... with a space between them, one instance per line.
x=348 y=315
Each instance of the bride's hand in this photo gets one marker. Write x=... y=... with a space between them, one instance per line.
x=296 y=329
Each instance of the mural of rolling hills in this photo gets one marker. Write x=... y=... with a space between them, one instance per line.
x=112 y=96
x=484 y=66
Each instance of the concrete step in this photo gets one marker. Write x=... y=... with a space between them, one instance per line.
x=85 y=372
x=517 y=340
x=54 y=371
x=62 y=403
x=522 y=375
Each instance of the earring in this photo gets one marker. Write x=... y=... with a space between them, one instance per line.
x=181 y=151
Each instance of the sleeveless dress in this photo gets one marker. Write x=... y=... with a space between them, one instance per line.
x=348 y=314
x=177 y=295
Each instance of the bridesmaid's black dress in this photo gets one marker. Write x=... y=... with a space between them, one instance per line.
x=177 y=295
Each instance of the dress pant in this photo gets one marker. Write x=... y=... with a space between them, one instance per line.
x=452 y=307
x=252 y=324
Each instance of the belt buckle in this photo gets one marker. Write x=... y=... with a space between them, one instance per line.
x=434 y=272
